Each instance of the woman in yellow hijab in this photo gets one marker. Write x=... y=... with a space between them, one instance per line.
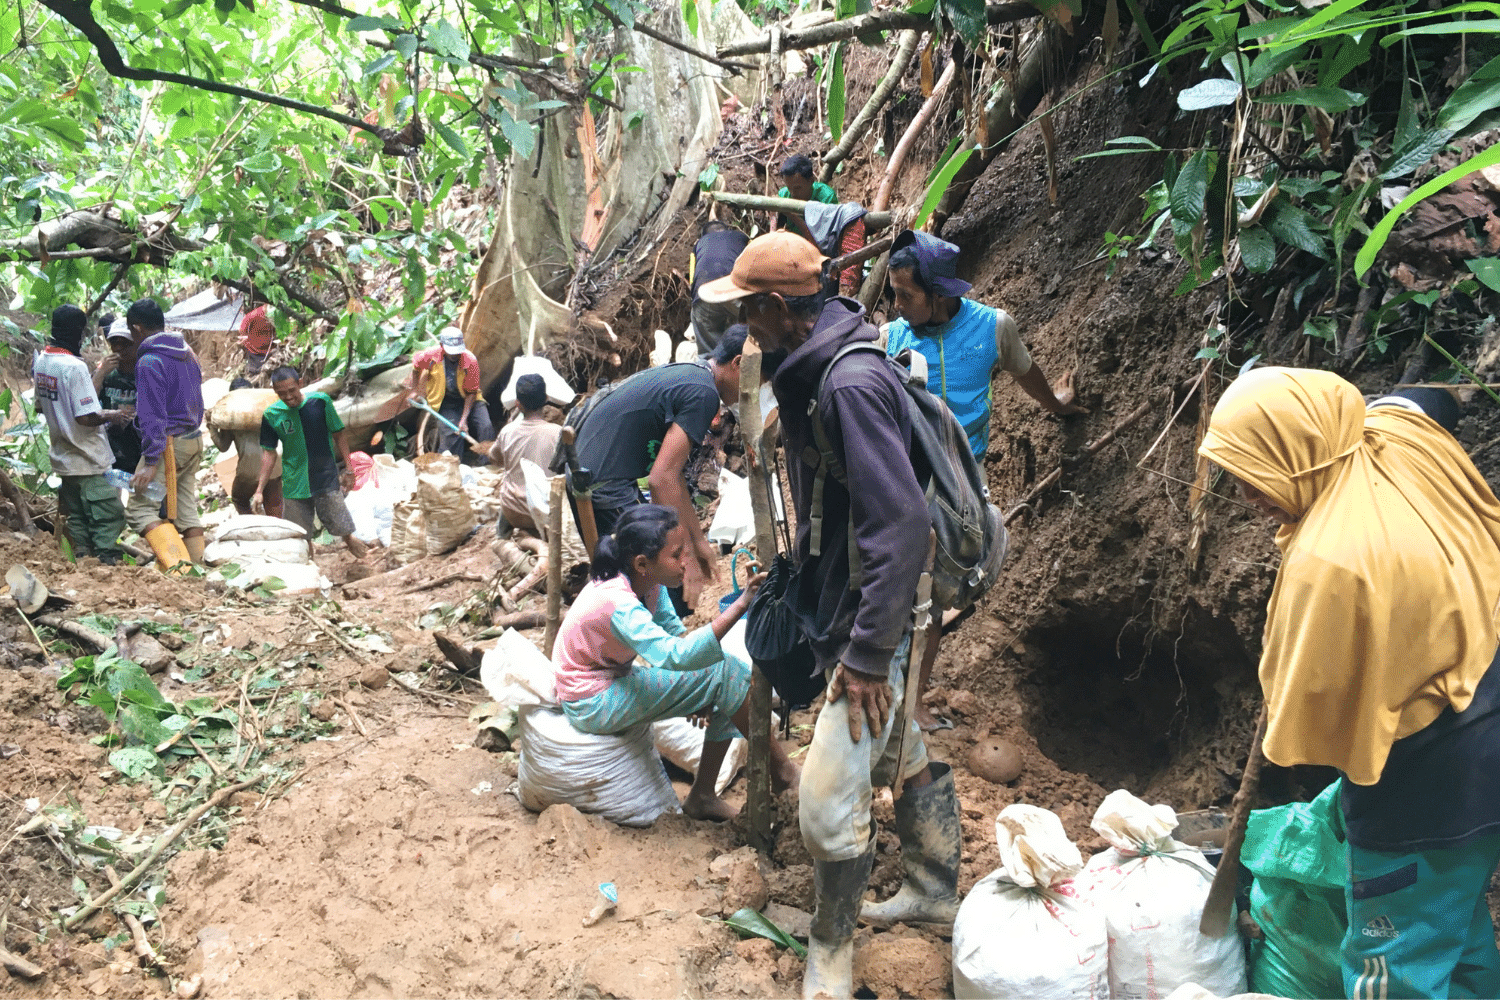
x=1379 y=641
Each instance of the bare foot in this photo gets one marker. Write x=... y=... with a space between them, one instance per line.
x=927 y=722
x=709 y=807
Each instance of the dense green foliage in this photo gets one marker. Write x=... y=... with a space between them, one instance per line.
x=323 y=166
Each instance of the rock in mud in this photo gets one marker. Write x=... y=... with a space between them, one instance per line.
x=375 y=678
x=995 y=760
x=152 y=656
x=569 y=833
x=324 y=710
x=964 y=703
x=747 y=887
x=891 y=966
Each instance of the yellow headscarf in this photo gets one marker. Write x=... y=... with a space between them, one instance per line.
x=1385 y=610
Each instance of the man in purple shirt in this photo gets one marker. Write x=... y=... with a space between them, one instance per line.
x=169 y=410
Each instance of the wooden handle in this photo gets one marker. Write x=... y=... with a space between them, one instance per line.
x=169 y=456
x=1218 y=910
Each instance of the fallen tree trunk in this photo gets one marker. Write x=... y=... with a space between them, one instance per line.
x=906 y=50
x=765 y=203
x=895 y=20
x=96 y=236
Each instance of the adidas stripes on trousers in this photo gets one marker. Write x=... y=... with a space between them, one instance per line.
x=1419 y=923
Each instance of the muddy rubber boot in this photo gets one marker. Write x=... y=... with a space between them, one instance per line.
x=195 y=544
x=171 y=554
x=839 y=885
x=931 y=846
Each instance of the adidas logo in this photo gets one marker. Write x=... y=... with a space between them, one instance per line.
x=1380 y=927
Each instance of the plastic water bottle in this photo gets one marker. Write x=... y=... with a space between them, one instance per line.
x=120 y=479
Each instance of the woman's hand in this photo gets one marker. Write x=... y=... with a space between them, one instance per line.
x=742 y=603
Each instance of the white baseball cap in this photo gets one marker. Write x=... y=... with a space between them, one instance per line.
x=452 y=339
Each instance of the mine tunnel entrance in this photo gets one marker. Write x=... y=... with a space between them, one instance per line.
x=1108 y=694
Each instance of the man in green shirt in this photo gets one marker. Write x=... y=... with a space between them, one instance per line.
x=797 y=182
x=308 y=429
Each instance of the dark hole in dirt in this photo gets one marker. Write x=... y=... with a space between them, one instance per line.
x=1115 y=698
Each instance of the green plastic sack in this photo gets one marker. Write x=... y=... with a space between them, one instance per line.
x=1297 y=854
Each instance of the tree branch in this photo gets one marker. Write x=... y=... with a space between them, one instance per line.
x=822 y=34
x=650 y=32
x=79 y=14
x=328 y=7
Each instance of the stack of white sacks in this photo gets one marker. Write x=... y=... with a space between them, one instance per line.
x=1123 y=926
x=252 y=550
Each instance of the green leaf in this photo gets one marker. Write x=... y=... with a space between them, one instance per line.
x=1210 y=93
x=1268 y=64
x=1333 y=100
x=1487 y=270
x=1134 y=144
x=1416 y=152
x=1191 y=189
x=968 y=19
x=1294 y=227
x=749 y=923
x=183 y=128
x=836 y=92
x=708 y=175
x=447 y=40
x=365 y=23
x=1475 y=96
x=690 y=16
x=265 y=162
x=1257 y=249
x=520 y=135
x=1208 y=354
x=7 y=396
x=939 y=185
x=379 y=63
x=452 y=138
x=1382 y=231
x=134 y=762
x=406 y=44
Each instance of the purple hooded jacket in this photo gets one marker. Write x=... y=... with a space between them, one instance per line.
x=864 y=410
x=169 y=392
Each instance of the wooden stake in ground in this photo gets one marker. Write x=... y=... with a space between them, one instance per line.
x=758 y=802
x=554 y=565
x=1218 y=910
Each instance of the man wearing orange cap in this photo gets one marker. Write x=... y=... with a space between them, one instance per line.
x=859 y=636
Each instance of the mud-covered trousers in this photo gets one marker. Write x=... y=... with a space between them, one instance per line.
x=839 y=775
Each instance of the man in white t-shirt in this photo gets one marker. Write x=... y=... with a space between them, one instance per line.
x=80 y=451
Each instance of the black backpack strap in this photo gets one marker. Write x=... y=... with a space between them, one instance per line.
x=828 y=462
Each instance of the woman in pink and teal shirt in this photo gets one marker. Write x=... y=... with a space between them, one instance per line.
x=624 y=613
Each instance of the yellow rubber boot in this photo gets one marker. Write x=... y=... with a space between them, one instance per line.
x=195 y=545
x=171 y=554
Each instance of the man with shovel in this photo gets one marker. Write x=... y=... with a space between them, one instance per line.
x=860 y=635
x=446 y=377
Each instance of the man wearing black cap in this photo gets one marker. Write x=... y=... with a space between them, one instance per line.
x=80 y=452
x=533 y=437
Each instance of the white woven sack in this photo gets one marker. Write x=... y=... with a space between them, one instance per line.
x=619 y=777
x=1022 y=931
x=256 y=528
x=282 y=550
x=1151 y=890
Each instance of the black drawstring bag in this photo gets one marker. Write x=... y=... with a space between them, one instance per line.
x=775 y=640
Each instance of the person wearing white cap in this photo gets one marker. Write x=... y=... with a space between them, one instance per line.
x=447 y=376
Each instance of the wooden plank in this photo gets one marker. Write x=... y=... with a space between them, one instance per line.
x=759 y=805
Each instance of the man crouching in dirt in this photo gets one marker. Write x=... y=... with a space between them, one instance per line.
x=862 y=641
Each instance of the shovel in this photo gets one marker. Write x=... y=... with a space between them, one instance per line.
x=422 y=404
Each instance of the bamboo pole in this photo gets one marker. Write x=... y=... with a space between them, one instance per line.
x=554 y=565
x=766 y=203
x=758 y=804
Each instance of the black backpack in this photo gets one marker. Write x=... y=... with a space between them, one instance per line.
x=971 y=536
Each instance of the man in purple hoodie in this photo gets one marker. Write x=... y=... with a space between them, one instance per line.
x=168 y=408
x=860 y=636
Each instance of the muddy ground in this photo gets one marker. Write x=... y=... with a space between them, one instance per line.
x=387 y=858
